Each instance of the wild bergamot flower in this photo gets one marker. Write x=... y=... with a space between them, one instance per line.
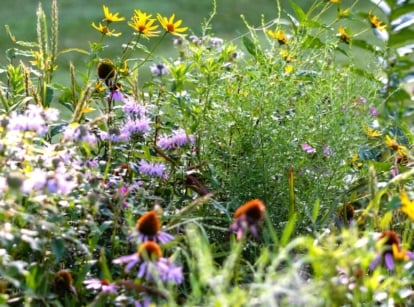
x=105 y=30
x=111 y=17
x=376 y=23
x=143 y=24
x=170 y=26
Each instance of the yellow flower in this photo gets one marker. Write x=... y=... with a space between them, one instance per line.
x=105 y=30
x=143 y=23
x=393 y=144
x=399 y=253
x=170 y=26
x=334 y=1
x=376 y=23
x=343 y=35
x=372 y=132
x=407 y=206
x=356 y=162
x=285 y=55
x=279 y=35
x=288 y=69
x=111 y=17
x=344 y=13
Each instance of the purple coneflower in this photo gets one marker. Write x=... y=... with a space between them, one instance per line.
x=151 y=264
x=247 y=218
x=148 y=228
x=101 y=284
x=392 y=251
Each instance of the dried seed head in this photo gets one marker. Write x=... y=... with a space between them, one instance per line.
x=106 y=70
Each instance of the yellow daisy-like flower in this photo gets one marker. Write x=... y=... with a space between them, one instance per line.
x=334 y=1
x=343 y=35
x=376 y=23
x=111 y=17
x=356 y=162
x=143 y=23
x=279 y=35
x=105 y=30
x=407 y=206
x=372 y=132
x=170 y=26
x=285 y=55
x=394 y=145
x=288 y=69
x=399 y=253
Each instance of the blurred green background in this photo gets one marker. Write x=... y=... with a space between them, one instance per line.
x=76 y=17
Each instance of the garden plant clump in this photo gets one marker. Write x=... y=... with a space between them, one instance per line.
x=272 y=169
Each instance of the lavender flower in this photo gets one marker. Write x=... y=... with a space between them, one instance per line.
x=373 y=111
x=308 y=148
x=159 y=69
x=178 y=139
x=151 y=264
x=131 y=107
x=79 y=133
x=33 y=119
x=133 y=126
x=152 y=169
x=103 y=285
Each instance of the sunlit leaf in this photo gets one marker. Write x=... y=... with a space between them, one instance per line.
x=404 y=37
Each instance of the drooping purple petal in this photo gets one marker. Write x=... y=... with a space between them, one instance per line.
x=389 y=261
x=375 y=262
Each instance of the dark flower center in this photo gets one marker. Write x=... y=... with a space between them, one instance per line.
x=150 y=251
x=391 y=236
x=149 y=224
x=253 y=210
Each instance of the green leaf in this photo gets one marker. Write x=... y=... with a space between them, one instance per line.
x=58 y=248
x=251 y=47
x=364 y=45
x=404 y=37
x=299 y=12
x=288 y=230
x=402 y=10
x=315 y=210
x=313 y=42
